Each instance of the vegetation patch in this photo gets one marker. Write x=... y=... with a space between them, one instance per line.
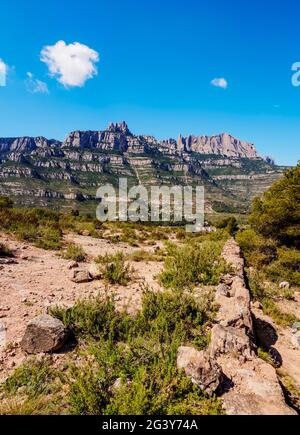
x=115 y=270
x=132 y=361
x=74 y=252
x=192 y=264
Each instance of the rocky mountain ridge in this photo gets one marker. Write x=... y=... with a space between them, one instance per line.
x=119 y=138
x=72 y=170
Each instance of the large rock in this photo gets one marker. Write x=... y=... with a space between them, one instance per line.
x=44 y=334
x=95 y=271
x=202 y=370
x=230 y=340
x=80 y=276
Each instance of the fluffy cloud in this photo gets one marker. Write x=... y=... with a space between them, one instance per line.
x=72 y=64
x=3 y=72
x=220 y=83
x=35 y=86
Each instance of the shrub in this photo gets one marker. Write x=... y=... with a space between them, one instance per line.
x=193 y=264
x=257 y=290
x=230 y=224
x=281 y=318
x=276 y=214
x=141 y=352
x=257 y=250
x=285 y=267
x=74 y=252
x=115 y=270
x=48 y=238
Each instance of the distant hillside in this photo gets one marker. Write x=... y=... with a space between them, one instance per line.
x=42 y=172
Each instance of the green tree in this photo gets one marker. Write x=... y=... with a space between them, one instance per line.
x=277 y=214
x=230 y=224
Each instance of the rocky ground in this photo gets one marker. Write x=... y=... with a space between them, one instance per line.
x=36 y=279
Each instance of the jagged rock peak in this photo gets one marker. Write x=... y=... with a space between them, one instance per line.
x=222 y=144
x=120 y=127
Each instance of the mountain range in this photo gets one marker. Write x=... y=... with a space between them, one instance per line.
x=37 y=171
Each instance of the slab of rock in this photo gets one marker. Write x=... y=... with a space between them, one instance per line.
x=44 y=333
x=255 y=392
x=80 y=276
x=230 y=340
x=203 y=371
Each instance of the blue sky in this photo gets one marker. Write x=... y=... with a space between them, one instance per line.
x=157 y=60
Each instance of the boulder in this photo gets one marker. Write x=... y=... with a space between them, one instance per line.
x=203 y=371
x=44 y=333
x=80 y=276
x=95 y=271
x=230 y=340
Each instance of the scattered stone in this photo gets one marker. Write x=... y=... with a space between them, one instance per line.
x=85 y=233
x=73 y=265
x=295 y=340
x=296 y=326
x=95 y=271
x=284 y=285
x=44 y=334
x=2 y=335
x=8 y=261
x=80 y=276
x=118 y=384
x=203 y=371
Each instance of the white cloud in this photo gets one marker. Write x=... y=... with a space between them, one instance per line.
x=220 y=83
x=3 y=73
x=35 y=86
x=72 y=64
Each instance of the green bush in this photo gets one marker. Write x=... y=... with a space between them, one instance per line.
x=115 y=269
x=141 y=352
x=193 y=264
x=230 y=224
x=277 y=214
x=257 y=250
x=74 y=252
x=286 y=267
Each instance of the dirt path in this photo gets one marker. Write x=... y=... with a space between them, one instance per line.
x=281 y=341
x=39 y=279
